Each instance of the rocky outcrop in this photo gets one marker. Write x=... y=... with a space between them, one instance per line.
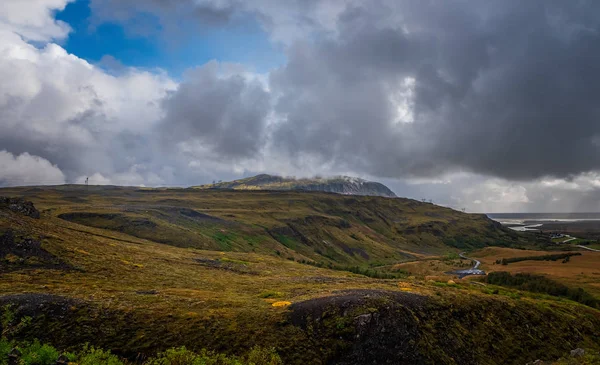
x=19 y=205
x=355 y=327
x=17 y=253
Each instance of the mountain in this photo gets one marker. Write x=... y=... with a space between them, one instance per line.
x=310 y=275
x=341 y=184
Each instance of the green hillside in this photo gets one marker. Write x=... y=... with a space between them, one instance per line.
x=317 y=227
x=139 y=271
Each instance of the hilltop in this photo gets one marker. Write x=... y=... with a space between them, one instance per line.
x=341 y=185
x=138 y=271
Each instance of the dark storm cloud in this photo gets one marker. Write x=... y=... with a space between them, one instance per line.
x=226 y=114
x=503 y=88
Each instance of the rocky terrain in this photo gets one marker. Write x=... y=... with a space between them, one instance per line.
x=19 y=205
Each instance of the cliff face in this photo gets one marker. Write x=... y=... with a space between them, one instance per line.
x=340 y=185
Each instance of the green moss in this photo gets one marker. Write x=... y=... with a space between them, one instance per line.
x=270 y=294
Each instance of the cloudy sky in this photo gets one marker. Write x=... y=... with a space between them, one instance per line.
x=491 y=106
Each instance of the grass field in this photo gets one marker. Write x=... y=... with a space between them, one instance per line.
x=210 y=270
x=581 y=271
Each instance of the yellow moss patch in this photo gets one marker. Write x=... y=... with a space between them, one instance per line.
x=132 y=264
x=281 y=304
x=81 y=251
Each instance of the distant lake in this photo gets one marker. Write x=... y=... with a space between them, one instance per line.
x=532 y=221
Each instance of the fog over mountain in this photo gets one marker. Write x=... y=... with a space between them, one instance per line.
x=488 y=106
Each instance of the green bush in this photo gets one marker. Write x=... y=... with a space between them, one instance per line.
x=5 y=348
x=93 y=356
x=41 y=354
x=262 y=356
x=182 y=356
x=38 y=354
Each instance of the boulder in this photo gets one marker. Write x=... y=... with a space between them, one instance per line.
x=19 y=205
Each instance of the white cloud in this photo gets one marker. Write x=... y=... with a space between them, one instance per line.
x=26 y=169
x=58 y=106
x=33 y=19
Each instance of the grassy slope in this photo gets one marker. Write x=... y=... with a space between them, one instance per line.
x=135 y=295
x=328 y=228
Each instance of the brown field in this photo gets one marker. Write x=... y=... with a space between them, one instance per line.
x=432 y=267
x=581 y=271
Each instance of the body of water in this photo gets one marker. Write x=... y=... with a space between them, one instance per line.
x=532 y=221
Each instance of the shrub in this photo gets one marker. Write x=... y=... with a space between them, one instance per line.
x=93 y=356
x=5 y=348
x=182 y=356
x=41 y=354
x=262 y=356
x=561 y=256
x=38 y=354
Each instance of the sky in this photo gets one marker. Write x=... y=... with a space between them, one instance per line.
x=490 y=106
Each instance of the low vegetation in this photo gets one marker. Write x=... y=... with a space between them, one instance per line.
x=35 y=353
x=541 y=284
x=565 y=257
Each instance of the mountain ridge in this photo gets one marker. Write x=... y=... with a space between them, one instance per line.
x=345 y=185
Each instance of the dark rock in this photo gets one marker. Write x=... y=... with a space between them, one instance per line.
x=62 y=360
x=382 y=335
x=147 y=292
x=19 y=205
x=34 y=304
x=23 y=252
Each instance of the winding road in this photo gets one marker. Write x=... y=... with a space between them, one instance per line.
x=477 y=262
x=472 y=271
x=587 y=248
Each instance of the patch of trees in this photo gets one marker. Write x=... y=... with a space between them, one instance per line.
x=559 y=256
x=541 y=284
x=377 y=274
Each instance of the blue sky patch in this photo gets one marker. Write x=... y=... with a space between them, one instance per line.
x=244 y=42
